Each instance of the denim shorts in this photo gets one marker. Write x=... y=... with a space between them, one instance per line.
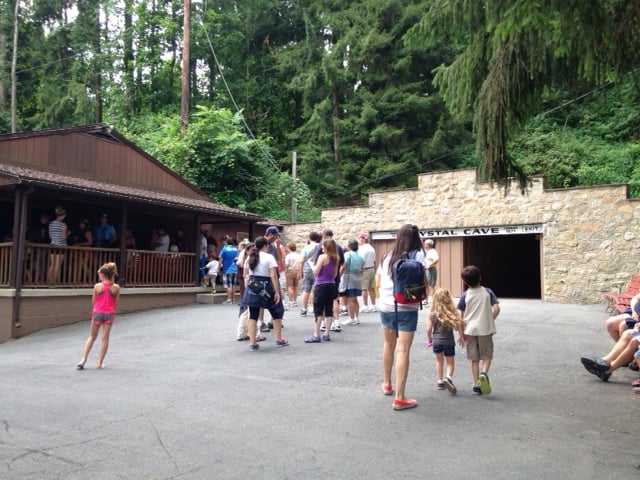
x=229 y=280
x=401 y=321
x=448 y=350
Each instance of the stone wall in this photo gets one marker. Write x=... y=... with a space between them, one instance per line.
x=591 y=237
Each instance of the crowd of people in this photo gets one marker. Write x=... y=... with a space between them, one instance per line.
x=331 y=278
x=331 y=275
x=624 y=329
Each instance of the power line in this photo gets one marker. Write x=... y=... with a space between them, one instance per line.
x=238 y=110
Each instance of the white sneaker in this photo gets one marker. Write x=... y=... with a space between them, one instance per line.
x=356 y=321
x=373 y=309
x=365 y=309
x=351 y=321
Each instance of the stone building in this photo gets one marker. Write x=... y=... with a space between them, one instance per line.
x=558 y=245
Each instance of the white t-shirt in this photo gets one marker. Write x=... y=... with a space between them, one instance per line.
x=432 y=256
x=212 y=267
x=385 y=292
x=265 y=263
x=291 y=261
x=367 y=252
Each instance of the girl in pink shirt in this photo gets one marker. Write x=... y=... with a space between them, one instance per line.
x=105 y=299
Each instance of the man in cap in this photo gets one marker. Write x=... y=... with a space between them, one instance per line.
x=104 y=233
x=367 y=252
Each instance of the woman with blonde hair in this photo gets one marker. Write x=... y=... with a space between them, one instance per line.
x=442 y=320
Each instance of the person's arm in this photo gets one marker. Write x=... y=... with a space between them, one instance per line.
x=88 y=238
x=94 y=293
x=273 y=271
x=496 y=310
x=300 y=266
x=633 y=304
x=322 y=260
x=117 y=292
x=429 y=329
x=113 y=237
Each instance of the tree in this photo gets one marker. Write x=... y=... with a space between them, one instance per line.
x=372 y=118
x=510 y=52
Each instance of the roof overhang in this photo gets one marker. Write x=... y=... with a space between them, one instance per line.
x=15 y=175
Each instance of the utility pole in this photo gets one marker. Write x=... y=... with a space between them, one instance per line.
x=184 y=105
x=14 y=63
x=294 y=204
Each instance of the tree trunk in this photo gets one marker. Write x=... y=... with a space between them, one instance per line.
x=3 y=85
x=184 y=105
x=337 y=155
x=128 y=74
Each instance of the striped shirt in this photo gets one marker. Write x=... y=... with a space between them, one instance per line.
x=56 y=228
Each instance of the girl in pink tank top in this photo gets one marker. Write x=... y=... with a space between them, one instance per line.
x=105 y=299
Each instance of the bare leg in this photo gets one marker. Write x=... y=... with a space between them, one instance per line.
x=353 y=307
x=475 y=370
x=403 y=347
x=104 y=345
x=486 y=364
x=93 y=334
x=450 y=366
x=365 y=298
x=388 y=353
x=252 y=327
x=619 y=347
x=615 y=326
x=625 y=356
x=316 y=326
x=277 y=328
x=439 y=366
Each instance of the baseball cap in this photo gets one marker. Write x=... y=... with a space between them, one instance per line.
x=363 y=235
x=272 y=231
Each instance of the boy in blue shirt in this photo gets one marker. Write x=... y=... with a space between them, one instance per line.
x=479 y=308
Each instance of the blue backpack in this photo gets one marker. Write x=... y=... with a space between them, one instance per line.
x=408 y=279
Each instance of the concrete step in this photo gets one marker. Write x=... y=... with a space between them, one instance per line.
x=210 y=298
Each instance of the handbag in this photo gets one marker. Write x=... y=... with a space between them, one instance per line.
x=344 y=279
x=255 y=285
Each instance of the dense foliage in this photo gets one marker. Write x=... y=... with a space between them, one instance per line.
x=367 y=93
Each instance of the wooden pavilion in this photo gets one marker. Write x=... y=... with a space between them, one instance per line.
x=92 y=170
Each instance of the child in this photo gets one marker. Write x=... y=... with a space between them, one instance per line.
x=105 y=298
x=441 y=322
x=212 y=267
x=479 y=308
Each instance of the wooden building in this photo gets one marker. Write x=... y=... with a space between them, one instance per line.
x=91 y=171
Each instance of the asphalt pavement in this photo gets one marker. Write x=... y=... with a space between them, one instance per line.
x=180 y=398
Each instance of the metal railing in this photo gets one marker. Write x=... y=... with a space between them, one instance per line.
x=53 y=266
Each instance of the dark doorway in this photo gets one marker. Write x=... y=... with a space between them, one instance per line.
x=510 y=264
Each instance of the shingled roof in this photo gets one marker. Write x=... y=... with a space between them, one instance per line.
x=199 y=202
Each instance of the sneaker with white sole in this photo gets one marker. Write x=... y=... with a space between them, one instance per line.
x=365 y=309
x=448 y=383
x=484 y=384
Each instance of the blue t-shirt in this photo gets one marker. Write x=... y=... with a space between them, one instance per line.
x=228 y=254
x=103 y=235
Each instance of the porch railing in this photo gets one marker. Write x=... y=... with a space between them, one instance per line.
x=51 y=266
x=5 y=263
